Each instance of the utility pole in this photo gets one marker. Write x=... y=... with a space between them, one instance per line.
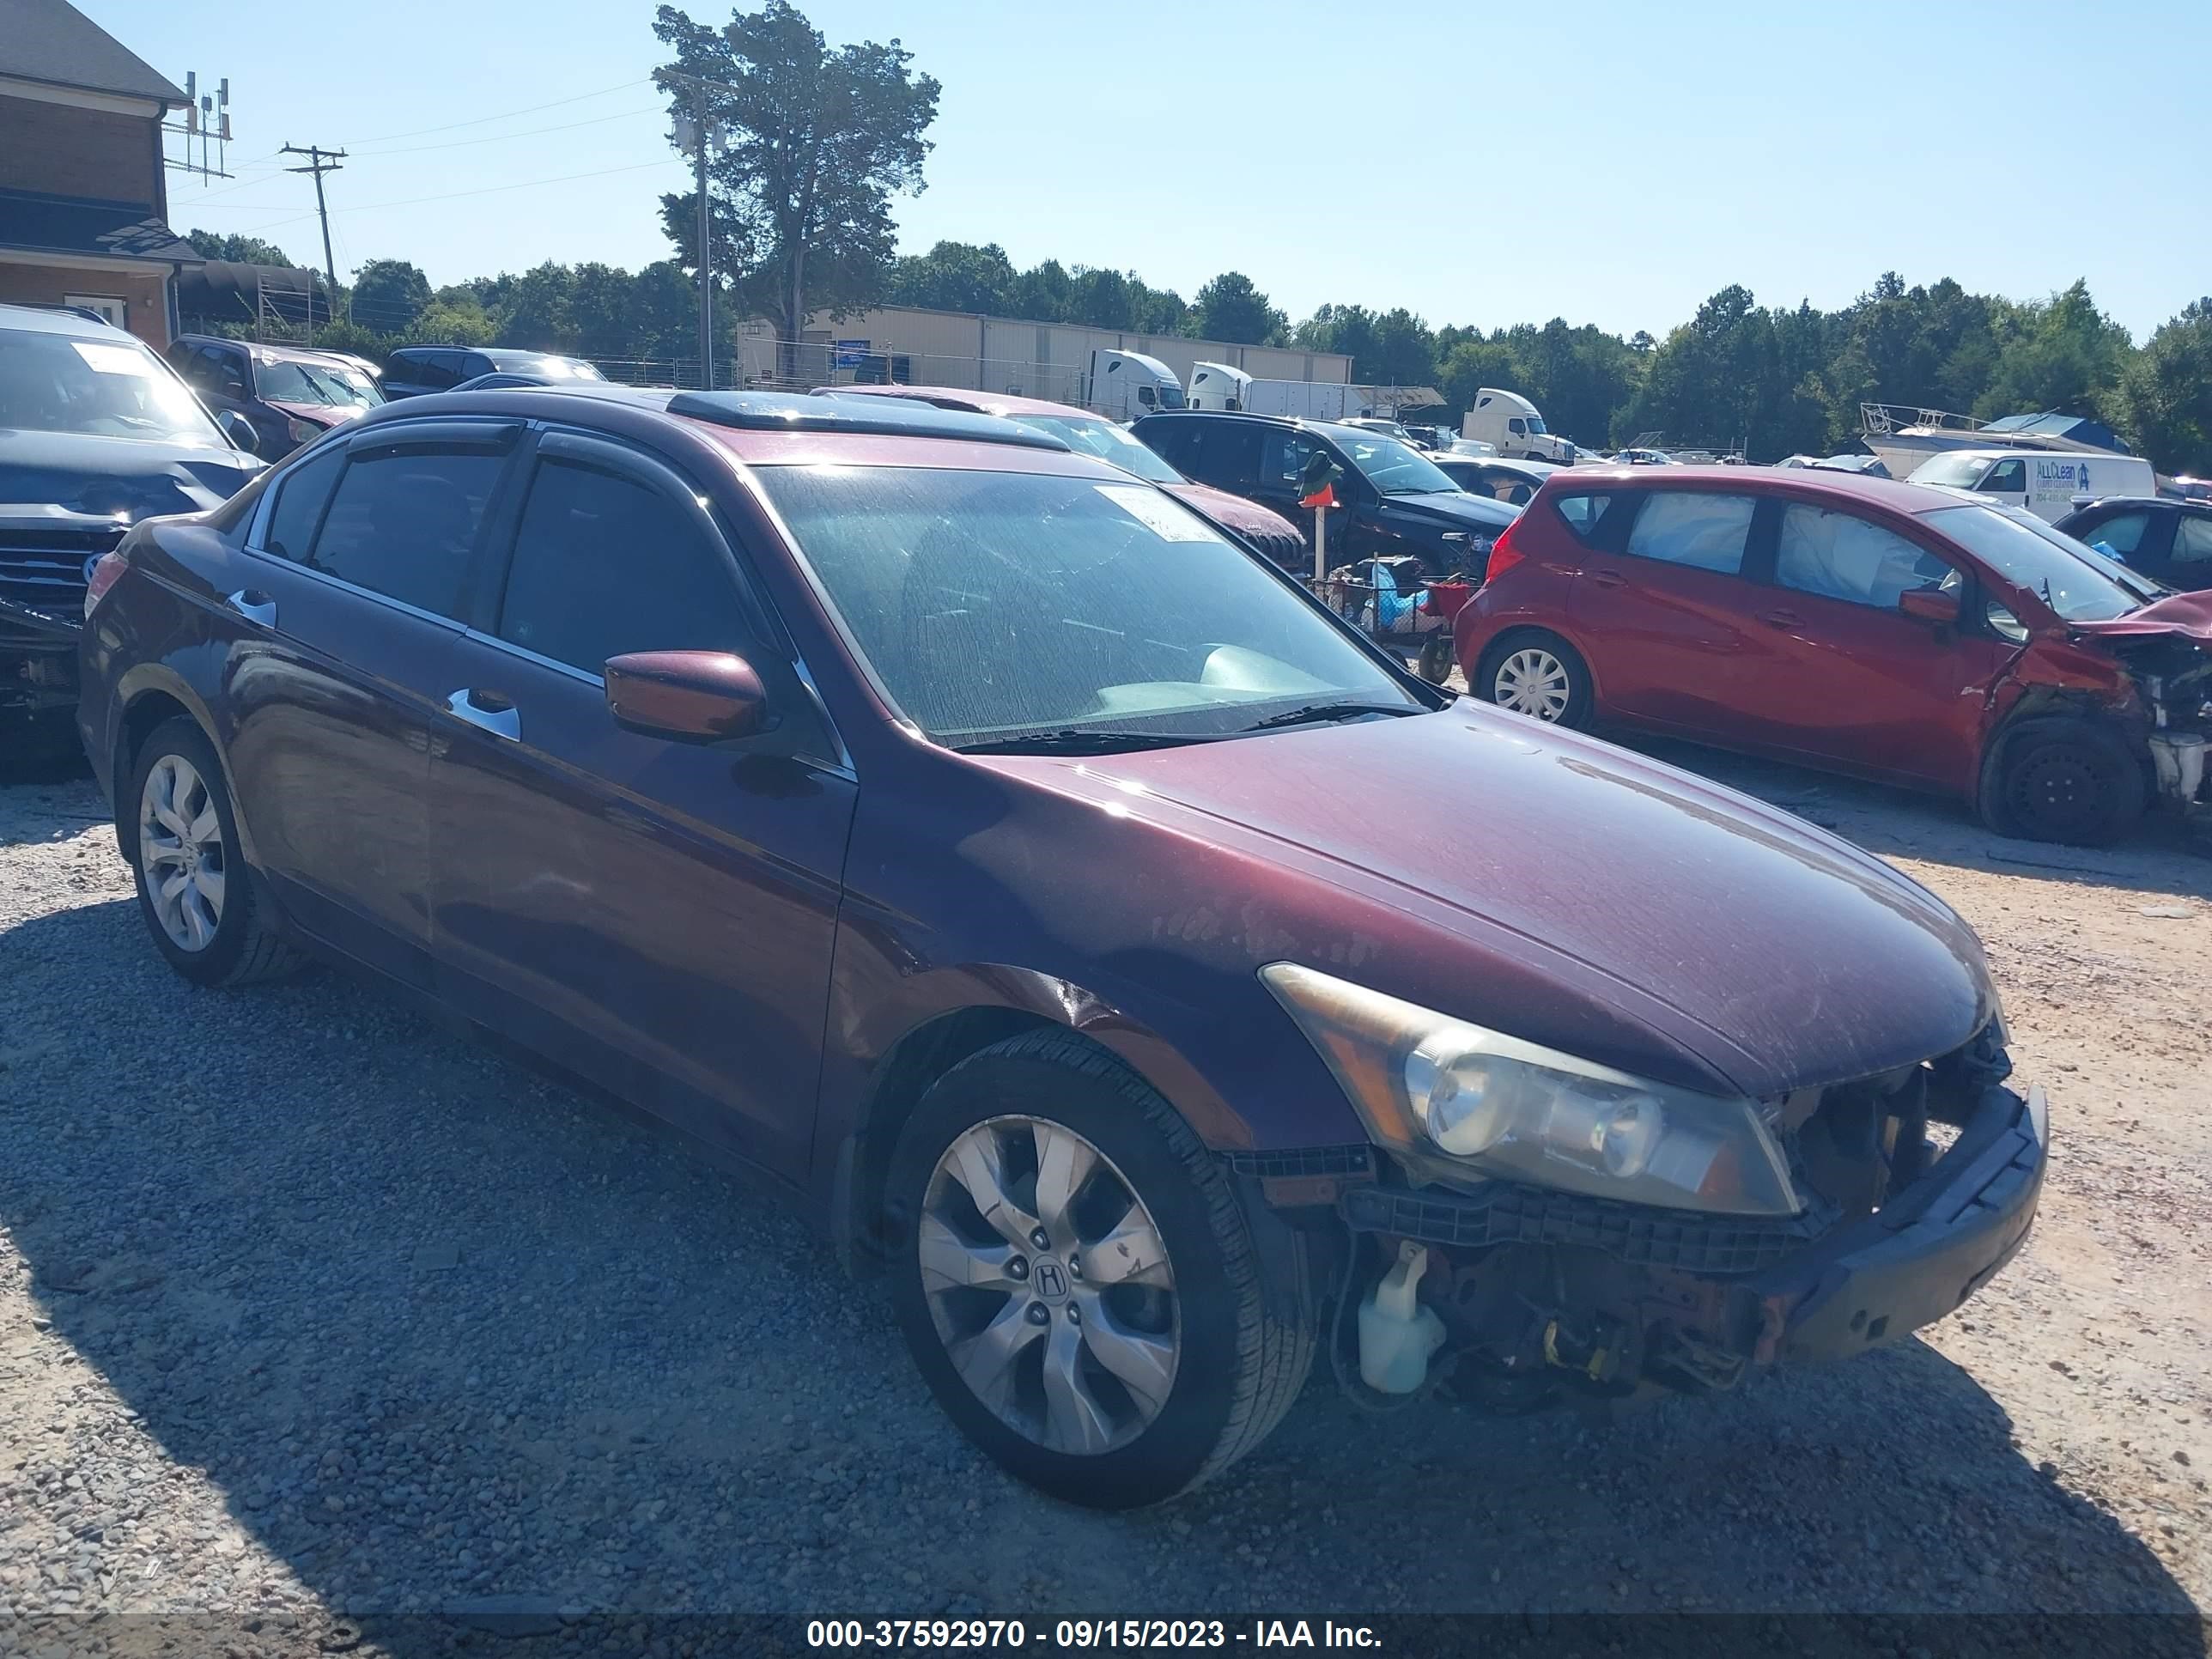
x=319 y=162
x=696 y=132
x=706 y=271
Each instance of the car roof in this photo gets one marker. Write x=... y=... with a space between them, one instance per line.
x=2179 y=503
x=783 y=429
x=1803 y=483
x=266 y=352
x=42 y=319
x=960 y=397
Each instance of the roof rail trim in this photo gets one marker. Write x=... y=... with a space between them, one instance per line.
x=775 y=411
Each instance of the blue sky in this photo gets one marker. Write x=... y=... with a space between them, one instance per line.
x=1609 y=164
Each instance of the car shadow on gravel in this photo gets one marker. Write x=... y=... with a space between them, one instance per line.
x=2163 y=854
x=444 y=1337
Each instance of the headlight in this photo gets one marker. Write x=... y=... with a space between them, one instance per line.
x=301 y=431
x=1454 y=1099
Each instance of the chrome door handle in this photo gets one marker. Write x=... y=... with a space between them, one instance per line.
x=487 y=710
x=254 y=606
x=1781 y=619
x=1608 y=579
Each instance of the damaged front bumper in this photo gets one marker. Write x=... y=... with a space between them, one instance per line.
x=1924 y=1253
x=1546 y=1293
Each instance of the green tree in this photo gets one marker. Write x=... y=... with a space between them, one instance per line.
x=388 y=295
x=1230 y=308
x=954 y=276
x=2065 y=355
x=820 y=139
x=240 y=250
x=2166 y=394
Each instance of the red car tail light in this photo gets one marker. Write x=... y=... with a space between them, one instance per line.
x=102 y=577
x=1503 y=555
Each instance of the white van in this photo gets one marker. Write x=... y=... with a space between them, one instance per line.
x=1125 y=385
x=2048 y=483
x=1218 y=386
x=1510 y=421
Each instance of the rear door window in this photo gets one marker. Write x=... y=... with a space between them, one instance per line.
x=1584 y=513
x=1691 y=527
x=2192 y=542
x=2122 y=533
x=404 y=523
x=1837 y=555
x=1232 y=455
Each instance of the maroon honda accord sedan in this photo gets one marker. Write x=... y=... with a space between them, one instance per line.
x=1075 y=917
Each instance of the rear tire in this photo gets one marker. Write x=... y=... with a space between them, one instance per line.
x=1533 y=672
x=1436 y=661
x=194 y=888
x=1148 y=1272
x=2062 y=778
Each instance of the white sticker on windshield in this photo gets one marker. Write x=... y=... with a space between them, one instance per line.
x=112 y=358
x=1169 y=521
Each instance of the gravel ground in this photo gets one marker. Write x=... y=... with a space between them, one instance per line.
x=311 y=1314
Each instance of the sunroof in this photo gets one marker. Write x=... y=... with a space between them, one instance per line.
x=778 y=411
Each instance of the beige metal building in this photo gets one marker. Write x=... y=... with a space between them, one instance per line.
x=995 y=354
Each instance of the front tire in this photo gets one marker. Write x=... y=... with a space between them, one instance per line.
x=1537 y=674
x=194 y=890
x=1077 y=1281
x=2060 y=778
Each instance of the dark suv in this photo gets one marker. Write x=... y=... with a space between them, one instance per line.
x=413 y=370
x=1393 y=499
x=969 y=837
x=2168 y=541
x=288 y=395
x=95 y=433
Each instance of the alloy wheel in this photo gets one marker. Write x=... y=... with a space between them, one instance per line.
x=181 y=852
x=1049 y=1284
x=1532 y=681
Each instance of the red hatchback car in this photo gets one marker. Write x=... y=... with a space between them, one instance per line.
x=1880 y=629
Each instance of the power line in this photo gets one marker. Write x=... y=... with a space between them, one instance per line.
x=526 y=132
x=530 y=109
x=488 y=190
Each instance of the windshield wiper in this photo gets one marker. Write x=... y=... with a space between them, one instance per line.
x=1074 y=741
x=1314 y=714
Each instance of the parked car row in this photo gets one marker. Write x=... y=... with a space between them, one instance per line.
x=1070 y=912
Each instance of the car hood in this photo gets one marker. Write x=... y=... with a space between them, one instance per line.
x=1775 y=954
x=2186 y=615
x=325 y=415
x=1247 y=517
x=106 y=477
x=1456 y=510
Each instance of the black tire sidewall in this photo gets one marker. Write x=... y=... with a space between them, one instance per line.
x=234 y=928
x=1179 y=1442
x=1577 y=714
x=2121 y=791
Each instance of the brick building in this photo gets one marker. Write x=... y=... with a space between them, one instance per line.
x=83 y=193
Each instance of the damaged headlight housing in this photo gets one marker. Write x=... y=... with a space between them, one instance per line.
x=1452 y=1099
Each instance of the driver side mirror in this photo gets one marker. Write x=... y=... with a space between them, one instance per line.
x=692 y=697
x=1929 y=605
x=239 y=430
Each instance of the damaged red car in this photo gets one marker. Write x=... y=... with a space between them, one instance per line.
x=1889 y=630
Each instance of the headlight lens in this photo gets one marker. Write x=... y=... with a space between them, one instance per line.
x=303 y=430
x=1452 y=1098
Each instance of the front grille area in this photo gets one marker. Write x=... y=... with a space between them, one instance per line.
x=43 y=570
x=1289 y=551
x=1509 y=1214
